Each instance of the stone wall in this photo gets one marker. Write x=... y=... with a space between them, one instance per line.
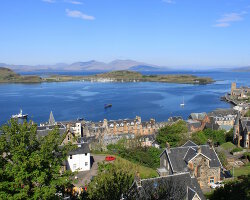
x=200 y=168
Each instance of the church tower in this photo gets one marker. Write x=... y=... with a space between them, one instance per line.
x=233 y=87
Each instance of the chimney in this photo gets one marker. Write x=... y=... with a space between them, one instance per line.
x=210 y=143
x=138 y=179
x=199 y=149
x=68 y=127
x=168 y=147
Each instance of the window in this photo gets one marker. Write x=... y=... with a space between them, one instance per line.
x=211 y=180
x=86 y=163
x=86 y=154
x=70 y=156
x=68 y=138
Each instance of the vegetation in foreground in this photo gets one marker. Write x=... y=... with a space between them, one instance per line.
x=237 y=189
x=30 y=168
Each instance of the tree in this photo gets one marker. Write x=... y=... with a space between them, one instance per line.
x=110 y=183
x=217 y=136
x=238 y=189
x=173 y=134
x=30 y=167
x=230 y=136
x=199 y=138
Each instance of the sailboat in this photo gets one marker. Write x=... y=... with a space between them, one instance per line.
x=182 y=104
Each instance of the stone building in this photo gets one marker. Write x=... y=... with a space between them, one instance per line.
x=242 y=131
x=239 y=93
x=201 y=162
x=130 y=126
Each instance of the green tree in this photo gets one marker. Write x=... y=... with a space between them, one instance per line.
x=217 y=136
x=174 y=134
x=248 y=113
x=238 y=189
x=199 y=138
x=30 y=168
x=229 y=136
x=111 y=182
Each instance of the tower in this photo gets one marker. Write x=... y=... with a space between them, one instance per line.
x=233 y=87
x=51 y=119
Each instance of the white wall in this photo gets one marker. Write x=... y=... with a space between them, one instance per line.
x=78 y=162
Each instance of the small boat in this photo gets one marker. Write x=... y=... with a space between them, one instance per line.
x=107 y=105
x=20 y=115
x=182 y=104
x=80 y=119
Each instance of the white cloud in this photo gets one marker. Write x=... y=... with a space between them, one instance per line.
x=74 y=2
x=227 y=19
x=49 y=1
x=169 y=1
x=78 y=14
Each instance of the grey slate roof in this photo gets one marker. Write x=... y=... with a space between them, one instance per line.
x=180 y=156
x=190 y=154
x=181 y=184
x=197 y=116
x=191 y=193
x=189 y=143
x=44 y=130
x=84 y=148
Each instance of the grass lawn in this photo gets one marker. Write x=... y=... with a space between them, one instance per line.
x=244 y=170
x=145 y=172
x=228 y=146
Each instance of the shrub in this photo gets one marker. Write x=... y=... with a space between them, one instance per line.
x=230 y=136
x=174 y=134
x=246 y=155
x=199 y=138
x=223 y=158
x=237 y=149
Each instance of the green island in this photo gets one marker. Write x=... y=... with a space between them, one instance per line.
x=7 y=75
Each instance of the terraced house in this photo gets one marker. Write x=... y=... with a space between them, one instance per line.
x=201 y=162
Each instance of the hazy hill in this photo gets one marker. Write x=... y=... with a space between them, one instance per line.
x=242 y=69
x=144 y=68
x=91 y=65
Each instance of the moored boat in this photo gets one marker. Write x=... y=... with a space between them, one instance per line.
x=107 y=105
x=20 y=115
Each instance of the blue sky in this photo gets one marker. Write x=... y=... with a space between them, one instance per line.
x=177 y=33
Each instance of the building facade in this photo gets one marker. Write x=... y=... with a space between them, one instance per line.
x=201 y=162
x=79 y=159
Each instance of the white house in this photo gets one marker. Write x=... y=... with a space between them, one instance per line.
x=79 y=159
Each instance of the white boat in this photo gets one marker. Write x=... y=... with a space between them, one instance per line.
x=20 y=115
x=182 y=104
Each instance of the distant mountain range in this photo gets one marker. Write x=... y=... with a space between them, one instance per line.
x=242 y=69
x=88 y=66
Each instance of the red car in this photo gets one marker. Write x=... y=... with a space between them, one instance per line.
x=110 y=158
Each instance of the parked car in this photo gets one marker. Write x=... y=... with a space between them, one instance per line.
x=109 y=158
x=217 y=185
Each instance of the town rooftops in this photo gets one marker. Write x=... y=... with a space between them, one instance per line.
x=177 y=186
x=45 y=129
x=81 y=149
x=180 y=156
x=197 y=116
